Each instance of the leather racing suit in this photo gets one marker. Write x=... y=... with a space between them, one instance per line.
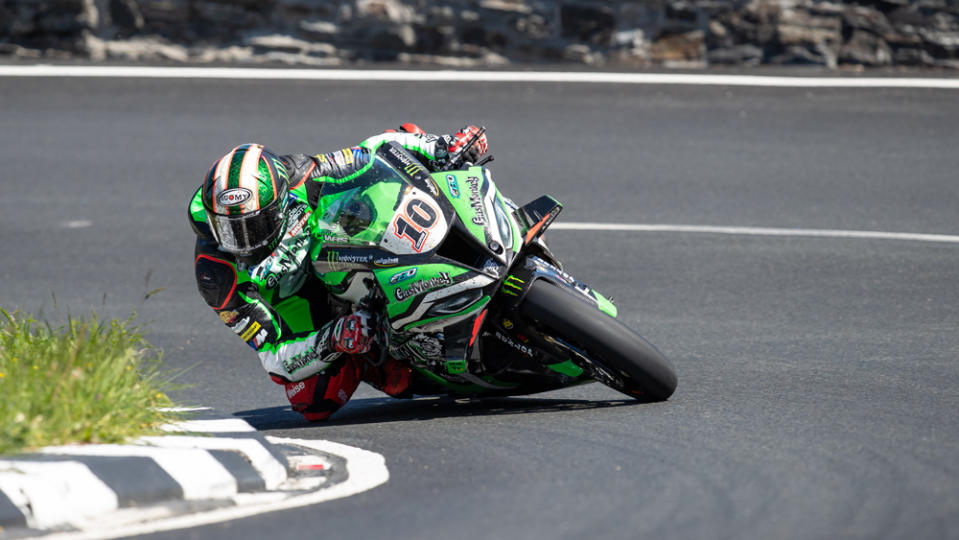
x=280 y=308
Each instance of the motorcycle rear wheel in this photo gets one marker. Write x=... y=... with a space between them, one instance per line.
x=616 y=353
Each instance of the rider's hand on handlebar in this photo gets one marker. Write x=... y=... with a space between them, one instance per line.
x=351 y=334
x=463 y=137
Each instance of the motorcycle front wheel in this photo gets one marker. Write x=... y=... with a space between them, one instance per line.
x=607 y=350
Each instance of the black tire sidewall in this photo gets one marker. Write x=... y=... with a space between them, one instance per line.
x=649 y=376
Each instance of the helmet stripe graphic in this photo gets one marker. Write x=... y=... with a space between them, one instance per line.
x=235 y=162
x=233 y=179
x=249 y=171
x=270 y=166
x=222 y=168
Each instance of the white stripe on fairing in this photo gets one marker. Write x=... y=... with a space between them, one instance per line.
x=428 y=76
x=271 y=470
x=365 y=470
x=199 y=474
x=430 y=298
x=57 y=493
x=756 y=231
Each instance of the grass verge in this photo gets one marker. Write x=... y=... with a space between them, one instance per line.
x=87 y=381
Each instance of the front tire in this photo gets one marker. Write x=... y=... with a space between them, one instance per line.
x=625 y=360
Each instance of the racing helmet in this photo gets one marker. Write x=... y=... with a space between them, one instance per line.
x=246 y=196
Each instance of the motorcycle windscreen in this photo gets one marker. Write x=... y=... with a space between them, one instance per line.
x=361 y=214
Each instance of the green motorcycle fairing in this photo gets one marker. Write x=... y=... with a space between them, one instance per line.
x=429 y=253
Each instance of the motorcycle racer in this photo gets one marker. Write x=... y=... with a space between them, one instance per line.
x=253 y=239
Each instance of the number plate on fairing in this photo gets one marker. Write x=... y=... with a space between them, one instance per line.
x=417 y=227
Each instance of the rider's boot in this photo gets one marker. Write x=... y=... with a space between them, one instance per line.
x=392 y=377
x=320 y=395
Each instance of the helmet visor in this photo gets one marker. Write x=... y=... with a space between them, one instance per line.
x=242 y=234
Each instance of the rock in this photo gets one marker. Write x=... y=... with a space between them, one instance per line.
x=387 y=42
x=756 y=24
x=941 y=44
x=690 y=46
x=680 y=16
x=318 y=30
x=145 y=49
x=390 y=11
x=18 y=21
x=452 y=62
x=579 y=53
x=911 y=56
x=738 y=55
x=228 y=21
x=126 y=16
x=588 y=24
x=866 y=19
x=234 y=54
x=533 y=27
x=800 y=28
x=9 y=49
x=629 y=38
x=866 y=49
x=798 y=55
x=277 y=43
x=717 y=30
x=513 y=6
x=434 y=40
x=467 y=32
x=66 y=17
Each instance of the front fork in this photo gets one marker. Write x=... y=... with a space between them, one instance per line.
x=518 y=281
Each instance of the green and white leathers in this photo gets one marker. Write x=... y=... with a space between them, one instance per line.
x=457 y=280
x=267 y=292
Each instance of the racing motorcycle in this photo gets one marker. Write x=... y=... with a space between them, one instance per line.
x=463 y=287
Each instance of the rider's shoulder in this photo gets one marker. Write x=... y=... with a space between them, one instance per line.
x=300 y=168
x=197 y=215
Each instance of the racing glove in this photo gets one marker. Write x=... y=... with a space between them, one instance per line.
x=351 y=334
x=463 y=137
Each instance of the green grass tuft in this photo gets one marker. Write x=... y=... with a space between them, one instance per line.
x=84 y=382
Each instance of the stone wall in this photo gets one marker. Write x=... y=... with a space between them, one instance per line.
x=616 y=33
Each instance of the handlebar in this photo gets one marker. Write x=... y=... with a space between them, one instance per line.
x=457 y=161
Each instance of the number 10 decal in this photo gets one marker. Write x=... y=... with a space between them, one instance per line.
x=416 y=223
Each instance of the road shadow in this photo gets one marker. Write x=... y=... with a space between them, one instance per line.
x=379 y=410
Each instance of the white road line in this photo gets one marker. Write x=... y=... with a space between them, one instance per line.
x=756 y=231
x=42 y=70
x=76 y=224
x=219 y=425
x=366 y=470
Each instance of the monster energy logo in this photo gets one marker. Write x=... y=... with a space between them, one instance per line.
x=513 y=286
x=410 y=167
x=339 y=261
x=423 y=285
x=280 y=168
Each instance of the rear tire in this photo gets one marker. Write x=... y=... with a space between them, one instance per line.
x=638 y=367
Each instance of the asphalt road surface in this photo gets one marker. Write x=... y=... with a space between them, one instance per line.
x=818 y=377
